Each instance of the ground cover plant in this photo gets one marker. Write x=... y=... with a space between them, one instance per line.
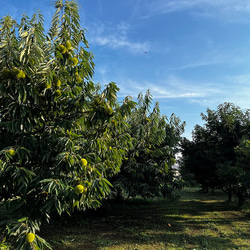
x=195 y=221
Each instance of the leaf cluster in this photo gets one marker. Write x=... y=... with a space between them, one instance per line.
x=147 y=169
x=213 y=156
x=51 y=117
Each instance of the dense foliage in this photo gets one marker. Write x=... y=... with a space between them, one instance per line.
x=62 y=138
x=147 y=169
x=66 y=144
x=216 y=157
x=56 y=127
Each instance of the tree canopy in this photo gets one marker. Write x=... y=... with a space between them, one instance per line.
x=56 y=125
x=147 y=169
x=63 y=138
x=214 y=153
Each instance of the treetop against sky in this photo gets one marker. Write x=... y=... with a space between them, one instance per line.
x=190 y=54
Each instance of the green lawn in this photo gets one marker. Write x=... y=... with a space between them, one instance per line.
x=196 y=221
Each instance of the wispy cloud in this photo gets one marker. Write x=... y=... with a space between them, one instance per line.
x=115 y=37
x=206 y=8
x=240 y=89
x=218 y=55
x=166 y=6
x=233 y=89
x=171 y=87
x=239 y=79
x=201 y=63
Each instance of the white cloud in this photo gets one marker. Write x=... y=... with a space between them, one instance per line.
x=240 y=90
x=115 y=37
x=230 y=10
x=239 y=79
x=171 y=87
x=234 y=89
x=201 y=63
x=167 y=6
x=215 y=56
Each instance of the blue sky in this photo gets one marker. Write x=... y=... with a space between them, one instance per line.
x=191 y=54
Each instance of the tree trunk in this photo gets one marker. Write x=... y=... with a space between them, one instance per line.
x=240 y=195
x=230 y=194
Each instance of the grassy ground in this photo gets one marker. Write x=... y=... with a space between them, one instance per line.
x=196 y=221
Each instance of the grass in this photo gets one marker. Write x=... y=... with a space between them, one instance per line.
x=195 y=221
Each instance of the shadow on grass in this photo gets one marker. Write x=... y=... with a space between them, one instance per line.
x=192 y=222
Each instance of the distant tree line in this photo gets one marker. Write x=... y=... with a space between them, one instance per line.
x=218 y=156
